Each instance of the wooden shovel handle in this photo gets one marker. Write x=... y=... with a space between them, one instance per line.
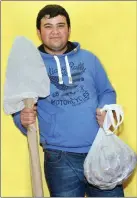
x=36 y=175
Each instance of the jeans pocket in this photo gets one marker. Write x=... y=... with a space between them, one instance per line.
x=52 y=156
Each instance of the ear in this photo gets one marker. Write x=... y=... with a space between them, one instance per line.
x=39 y=34
x=69 y=30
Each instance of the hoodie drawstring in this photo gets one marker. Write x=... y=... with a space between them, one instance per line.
x=59 y=70
x=68 y=70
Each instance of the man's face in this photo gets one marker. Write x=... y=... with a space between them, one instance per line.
x=54 y=33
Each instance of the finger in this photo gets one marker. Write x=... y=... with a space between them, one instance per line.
x=26 y=124
x=98 y=112
x=103 y=113
x=28 y=118
x=100 y=119
x=28 y=115
x=97 y=118
x=102 y=116
x=100 y=122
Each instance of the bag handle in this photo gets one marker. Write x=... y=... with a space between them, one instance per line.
x=109 y=118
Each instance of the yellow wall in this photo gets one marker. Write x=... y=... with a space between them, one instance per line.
x=108 y=29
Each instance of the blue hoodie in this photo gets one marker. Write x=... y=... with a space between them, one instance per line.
x=78 y=86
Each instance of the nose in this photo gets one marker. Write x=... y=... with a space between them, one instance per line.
x=55 y=30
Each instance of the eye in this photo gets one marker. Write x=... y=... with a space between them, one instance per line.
x=48 y=27
x=61 y=25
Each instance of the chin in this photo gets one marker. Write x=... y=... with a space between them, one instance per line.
x=56 y=48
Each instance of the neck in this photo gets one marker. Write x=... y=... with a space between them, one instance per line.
x=54 y=52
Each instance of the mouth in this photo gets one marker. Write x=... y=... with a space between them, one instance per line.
x=55 y=38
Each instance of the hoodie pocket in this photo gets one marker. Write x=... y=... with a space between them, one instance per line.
x=75 y=128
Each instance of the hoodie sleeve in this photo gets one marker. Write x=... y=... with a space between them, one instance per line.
x=105 y=91
x=16 y=119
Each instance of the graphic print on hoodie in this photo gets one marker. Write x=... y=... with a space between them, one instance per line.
x=70 y=92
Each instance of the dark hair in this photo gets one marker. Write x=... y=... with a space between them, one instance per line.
x=52 y=10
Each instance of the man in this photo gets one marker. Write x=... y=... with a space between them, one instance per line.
x=70 y=117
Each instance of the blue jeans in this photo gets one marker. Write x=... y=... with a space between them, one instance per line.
x=65 y=176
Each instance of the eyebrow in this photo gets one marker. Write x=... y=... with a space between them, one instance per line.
x=61 y=23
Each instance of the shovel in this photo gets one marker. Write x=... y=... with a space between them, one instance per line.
x=26 y=81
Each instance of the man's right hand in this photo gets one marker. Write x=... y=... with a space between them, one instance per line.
x=28 y=116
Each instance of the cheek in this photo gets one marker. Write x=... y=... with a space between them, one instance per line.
x=44 y=34
x=44 y=37
x=65 y=34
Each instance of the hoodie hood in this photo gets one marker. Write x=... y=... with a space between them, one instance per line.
x=70 y=47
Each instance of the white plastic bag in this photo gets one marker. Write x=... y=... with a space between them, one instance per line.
x=109 y=161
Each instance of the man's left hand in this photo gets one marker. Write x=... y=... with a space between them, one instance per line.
x=100 y=117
